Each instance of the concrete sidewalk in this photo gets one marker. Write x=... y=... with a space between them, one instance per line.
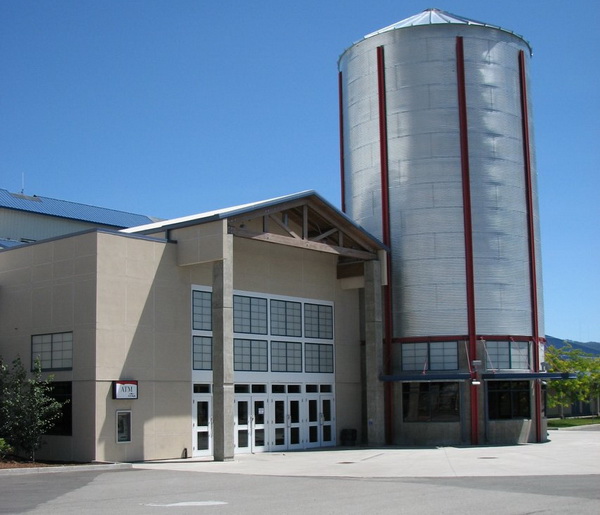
x=567 y=453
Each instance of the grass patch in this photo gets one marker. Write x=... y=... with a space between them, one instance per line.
x=573 y=422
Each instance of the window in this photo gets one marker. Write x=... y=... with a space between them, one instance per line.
x=430 y=402
x=55 y=351
x=286 y=318
x=250 y=355
x=430 y=356
x=507 y=355
x=318 y=321
x=62 y=392
x=249 y=315
x=319 y=357
x=202 y=353
x=123 y=426
x=202 y=310
x=286 y=357
x=508 y=400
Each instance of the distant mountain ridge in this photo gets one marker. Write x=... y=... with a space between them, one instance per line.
x=588 y=347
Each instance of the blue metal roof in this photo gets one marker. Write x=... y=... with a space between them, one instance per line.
x=71 y=210
x=8 y=244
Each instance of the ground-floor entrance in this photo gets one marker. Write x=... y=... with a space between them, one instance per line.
x=270 y=417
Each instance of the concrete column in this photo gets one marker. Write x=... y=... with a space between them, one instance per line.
x=374 y=354
x=223 y=394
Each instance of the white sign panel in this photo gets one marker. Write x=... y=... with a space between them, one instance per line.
x=125 y=389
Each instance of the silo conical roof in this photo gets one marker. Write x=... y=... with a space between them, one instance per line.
x=435 y=16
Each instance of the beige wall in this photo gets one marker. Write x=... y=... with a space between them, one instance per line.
x=50 y=288
x=127 y=301
x=143 y=334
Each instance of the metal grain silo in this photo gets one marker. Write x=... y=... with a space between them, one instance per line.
x=438 y=162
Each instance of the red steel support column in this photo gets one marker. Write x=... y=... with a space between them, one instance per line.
x=468 y=228
x=531 y=237
x=342 y=164
x=385 y=219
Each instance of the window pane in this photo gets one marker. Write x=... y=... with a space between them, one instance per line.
x=498 y=356
x=250 y=355
x=430 y=402
x=202 y=311
x=249 y=315
x=286 y=318
x=55 y=351
x=318 y=321
x=509 y=399
x=202 y=353
x=62 y=392
x=414 y=356
x=286 y=357
x=318 y=358
x=443 y=356
x=519 y=354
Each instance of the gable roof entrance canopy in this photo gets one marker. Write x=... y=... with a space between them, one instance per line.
x=303 y=220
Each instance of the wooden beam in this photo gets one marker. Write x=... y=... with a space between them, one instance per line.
x=284 y=227
x=304 y=244
x=325 y=234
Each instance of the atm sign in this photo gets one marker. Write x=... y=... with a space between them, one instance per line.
x=125 y=389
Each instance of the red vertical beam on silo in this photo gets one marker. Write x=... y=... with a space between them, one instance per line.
x=342 y=163
x=386 y=236
x=531 y=237
x=468 y=228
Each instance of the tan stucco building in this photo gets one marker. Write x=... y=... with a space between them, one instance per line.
x=250 y=329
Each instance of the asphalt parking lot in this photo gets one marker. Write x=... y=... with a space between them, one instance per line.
x=561 y=476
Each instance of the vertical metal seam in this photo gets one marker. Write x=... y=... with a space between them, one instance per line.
x=468 y=227
x=341 y=121
x=531 y=238
x=385 y=215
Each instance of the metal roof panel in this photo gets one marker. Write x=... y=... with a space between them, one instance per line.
x=70 y=210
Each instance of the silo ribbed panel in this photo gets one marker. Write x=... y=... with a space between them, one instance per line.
x=426 y=190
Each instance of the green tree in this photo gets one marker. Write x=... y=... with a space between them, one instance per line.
x=585 y=386
x=27 y=408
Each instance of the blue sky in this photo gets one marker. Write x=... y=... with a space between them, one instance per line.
x=174 y=107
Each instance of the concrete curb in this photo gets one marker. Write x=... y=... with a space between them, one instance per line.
x=99 y=467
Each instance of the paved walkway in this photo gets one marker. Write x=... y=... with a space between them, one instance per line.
x=569 y=452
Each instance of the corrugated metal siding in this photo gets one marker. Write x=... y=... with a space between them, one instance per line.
x=426 y=205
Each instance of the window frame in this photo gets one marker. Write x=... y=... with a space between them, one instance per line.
x=35 y=355
x=321 y=318
x=509 y=355
x=513 y=393
x=203 y=346
x=208 y=327
x=292 y=328
x=427 y=354
x=288 y=359
x=253 y=346
x=431 y=400
x=324 y=365
x=252 y=301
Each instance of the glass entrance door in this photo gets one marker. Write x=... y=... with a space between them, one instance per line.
x=249 y=422
x=202 y=426
x=321 y=421
x=287 y=423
